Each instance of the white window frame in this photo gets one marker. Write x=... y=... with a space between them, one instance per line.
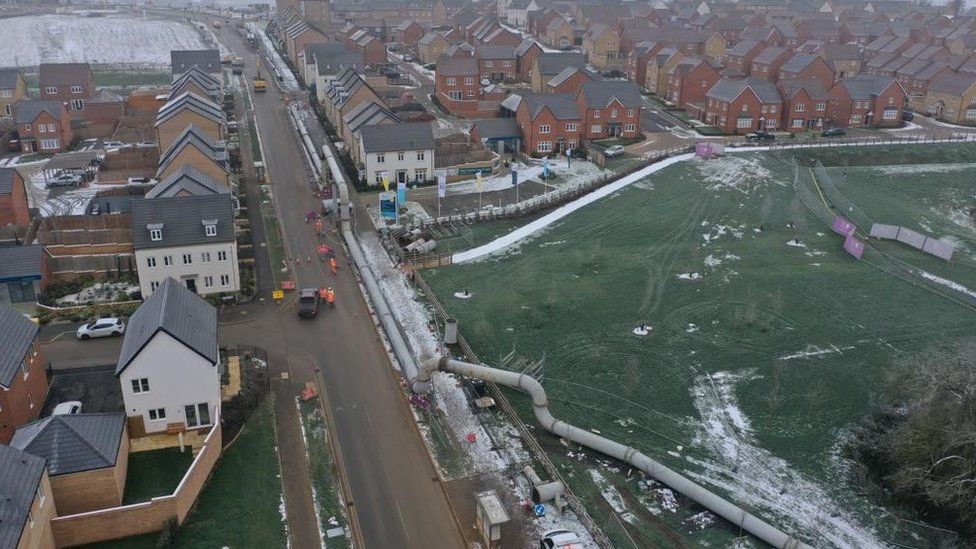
x=381 y=159
x=51 y=90
x=451 y=81
x=545 y=128
x=50 y=144
x=151 y=261
x=855 y=119
x=596 y=128
x=167 y=261
x=78 y=104
x=225 y=280
x=139 y=385
x=188 y=259
x=420 y=174
x=544 y=146
x=222 y=255
x=204 y=257
x=800 y=107
x=572 y=127
x=469 y=81
x=210 y=230
x=596 y=115
x=630 y=127
x=630 y=113
x=893 y=112
x=157 y=414
x=771 y=124
x=421 y=155
x=77 y=89
x=156 y=235
x=970 y=114
x=400 y=156
x=153 y=285
x=208 y=281
x=24 y=368
x=743 y=123
x=796 y=123
x=821 y=106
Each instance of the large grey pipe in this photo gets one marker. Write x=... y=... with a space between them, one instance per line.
x=540 y=405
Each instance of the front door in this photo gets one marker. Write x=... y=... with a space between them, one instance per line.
x=811 y=123
x=613 y=129
x=401 y=176
x=191 y=284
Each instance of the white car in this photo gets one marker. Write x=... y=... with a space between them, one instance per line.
x=109 y=146
x=102 y=327
x=560 y=539
x=141 y=180
x=64 y=180
x=146 y=145
x=615 y=150
x=67 y=408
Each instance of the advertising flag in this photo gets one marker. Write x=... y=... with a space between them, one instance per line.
x=401 y=192
x=441 y=185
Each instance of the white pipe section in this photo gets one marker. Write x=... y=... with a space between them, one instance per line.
x=540 y=405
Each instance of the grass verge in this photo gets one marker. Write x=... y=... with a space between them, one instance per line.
x=156 y=473
x=325 y=485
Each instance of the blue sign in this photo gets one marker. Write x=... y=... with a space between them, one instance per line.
x=540 y=510
x=514 y=177
x=388 y=205
x=472 y=171
x=401 y=192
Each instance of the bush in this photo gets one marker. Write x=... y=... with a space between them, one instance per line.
x=167 y=536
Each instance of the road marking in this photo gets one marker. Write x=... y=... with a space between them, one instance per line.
x=368 y=418
x=55 y=338
x=403 y=523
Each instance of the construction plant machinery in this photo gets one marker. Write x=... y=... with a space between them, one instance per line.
x=258 y=83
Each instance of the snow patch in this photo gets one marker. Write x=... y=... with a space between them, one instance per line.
x=947 y=283
x=914 y=169
x=812 y=351
x=612 y=496
x=689 y=276
x=733 y=173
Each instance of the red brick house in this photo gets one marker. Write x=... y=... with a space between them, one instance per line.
x=456 y=84
x=525 y=56
x=743 y=106
x=372 y=48
x=496 y=63
x=876 y=101
x=738 y=58
x=767 y=63
x=70 y=83
x=609 y=109
x=13 y=199
x=22 y=377
x=550 y=123
x=637 y=61
x=803 y=66
x=689 y=81
x=570 y=80
x=502 y=37
x=804 y=104
x=408 y=33
x=43 y=126
x=102 y=114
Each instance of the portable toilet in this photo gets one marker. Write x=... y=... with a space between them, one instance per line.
x=491 y=517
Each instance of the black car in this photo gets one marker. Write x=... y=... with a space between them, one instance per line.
x=833 y=132
x=760 y=136
x=308 y=303
x=908 y=115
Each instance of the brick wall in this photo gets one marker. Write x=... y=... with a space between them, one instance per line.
x=142 y=518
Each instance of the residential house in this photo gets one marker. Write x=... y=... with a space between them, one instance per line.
x=327 y=60
x=688 y=81
x=539 y=22
x=844 y=59
x=22 y=377
x=876 y=101
x=191 y=239
x=13 y=88
x=803 y=66
x=609 y=109
x=550 y=123
x=461 y=50
x=743 y=106
x=601 y=45
x=501 y=36
x=408 y=32
x=43 y=126
x=431 y=46
x=367 y=113
x=194 y=148
x=28 y=504
x=658 y=68
x=517 y=13
x=702 y=43
x=496 y=63
x=345 y=93
x=168 y=363
x=638 y=59
x=738 y=58
x=570 y=80
x=547 y=65
x=804 y=104
x=559 y=33
x=501 y=135
x=87 y=458
x=916 y=75
x=14 y=209
x=197 y=81
x=372 y=48
x=951 y=98
x=456 y=84
x=187 y=181
x=69 y=83
x=402 y=153
x=102 y=115
x=185 y=110
x=767 y=63
x=207 y=61
x=525 y=56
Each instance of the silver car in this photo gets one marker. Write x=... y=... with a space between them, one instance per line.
x=615 y=150
x=102 y=327
x=64 y=180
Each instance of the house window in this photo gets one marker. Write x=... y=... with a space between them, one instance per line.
x=76 y=89
x=27 y=127
x=745 y=107
x=380 y=158
x=30 y=519
x=544 y=146
x=771 y=124
x=506 y=64
x=6 y=93
x=7 y=111
x=208 y=282
x=571 y=144
x=545 y=128
x=225 y=280
x=468 y=80
x=187 y=259
x=596 y=114
x=772 y=109
x=155 y=235
x=455 y=95
x=197 y=415
x=167 y=260
x=629 y=128
x=78 y=104
x=797 y=123
x=210 y=230
x=400 y=156
x=205 y=257
x=222 y=256
x=765 y=109
x=470 y=93
x=157 y=414
x=420 y=174
x=150 y=261
x=630 y=113
x=970 y=113
x=744 y=123
x=613 y=113
x=153 y=285
x=420 y=155
x=890 y=113
x=855 y=119
x=50 y=144
x=572 y=127
x=489 y=63
x=379 y=178
x=452 y=81
x=51 y=90
x=140 y=385
x=40 y=495
x=596 y=128
x=800 y=107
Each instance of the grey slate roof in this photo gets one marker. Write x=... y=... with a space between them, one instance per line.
x=495 y=51
x=182 y=218
x=525 y=46
x=466 y=66
x=814 y=88
x=498 y=128
x=181 y=60
x=866 y=87
x=727 y=89
x=743 y=47
x=562 y=105
x=191 y=136
x=599 y=94
x=173 y=309
x=551 y=63
x=73 y=443
x=511 y=102
x=27 y=110
x=368 y=113
x=8 y=78
x=189 y=100
x=948 y=82
x=798 y=62
x=18 y=262
x=187 y=181
x=414 y=136
x=20 y=474
x=7 y=180
x=768 y=55
x=64 y=74
x=18 y=335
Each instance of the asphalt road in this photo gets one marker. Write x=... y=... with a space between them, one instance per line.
x=62 y=350
x=395 y=492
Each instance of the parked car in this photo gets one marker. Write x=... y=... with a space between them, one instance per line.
x=430 y=66
x=308 y=303
x=560 y=539
x=908 y=115
x=69 y=408
x=64 y=180
x=146 y=144
x=102 y=327
x=141 y=180
x=760 y=136
x=615 y=150
x=833 y=132
x=109 y=146
x=409 y=58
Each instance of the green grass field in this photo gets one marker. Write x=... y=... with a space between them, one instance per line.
x=769 y=342
x=156 y=473
x=328 y=504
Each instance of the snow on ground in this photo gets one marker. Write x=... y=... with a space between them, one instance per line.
x=580 y=172
x=733 y=172
x=289 y=81
x=612 y=496
x=101 y=291
x=284 y=517
x=60 y=200
x=757 y=478
x=812 y=351
x=912 y=169
x=948 y=283
x=529 y=229
x=116 y=40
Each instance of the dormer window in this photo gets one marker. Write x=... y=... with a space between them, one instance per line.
x=210 y=227
x=155 y=231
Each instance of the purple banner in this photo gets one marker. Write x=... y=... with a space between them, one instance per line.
x=854 y=246
x=843 y=226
